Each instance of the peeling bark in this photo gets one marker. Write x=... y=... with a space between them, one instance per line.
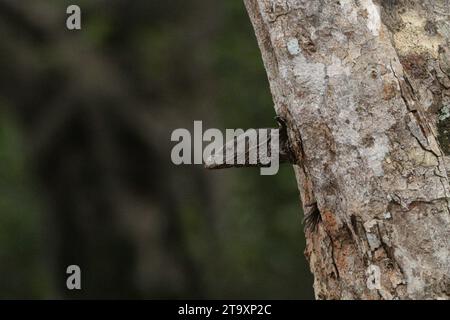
x=364 y=86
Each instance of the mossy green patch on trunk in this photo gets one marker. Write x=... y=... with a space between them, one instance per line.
x=444 y=130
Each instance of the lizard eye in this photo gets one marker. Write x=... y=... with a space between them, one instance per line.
x=280 y=121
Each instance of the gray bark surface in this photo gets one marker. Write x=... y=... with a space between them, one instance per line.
x=364 y=88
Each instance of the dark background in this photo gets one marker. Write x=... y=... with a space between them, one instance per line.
x=85 y=170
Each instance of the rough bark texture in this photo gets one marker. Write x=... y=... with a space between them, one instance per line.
x=364 y=88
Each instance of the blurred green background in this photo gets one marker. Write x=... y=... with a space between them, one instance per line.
x=86 y=177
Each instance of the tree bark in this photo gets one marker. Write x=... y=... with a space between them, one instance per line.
x=363 y=86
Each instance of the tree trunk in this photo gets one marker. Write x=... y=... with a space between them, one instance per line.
x=363 y=86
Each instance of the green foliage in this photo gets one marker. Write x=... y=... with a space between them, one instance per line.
x=244 y=99
x=22 y=263
x=245 y=242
